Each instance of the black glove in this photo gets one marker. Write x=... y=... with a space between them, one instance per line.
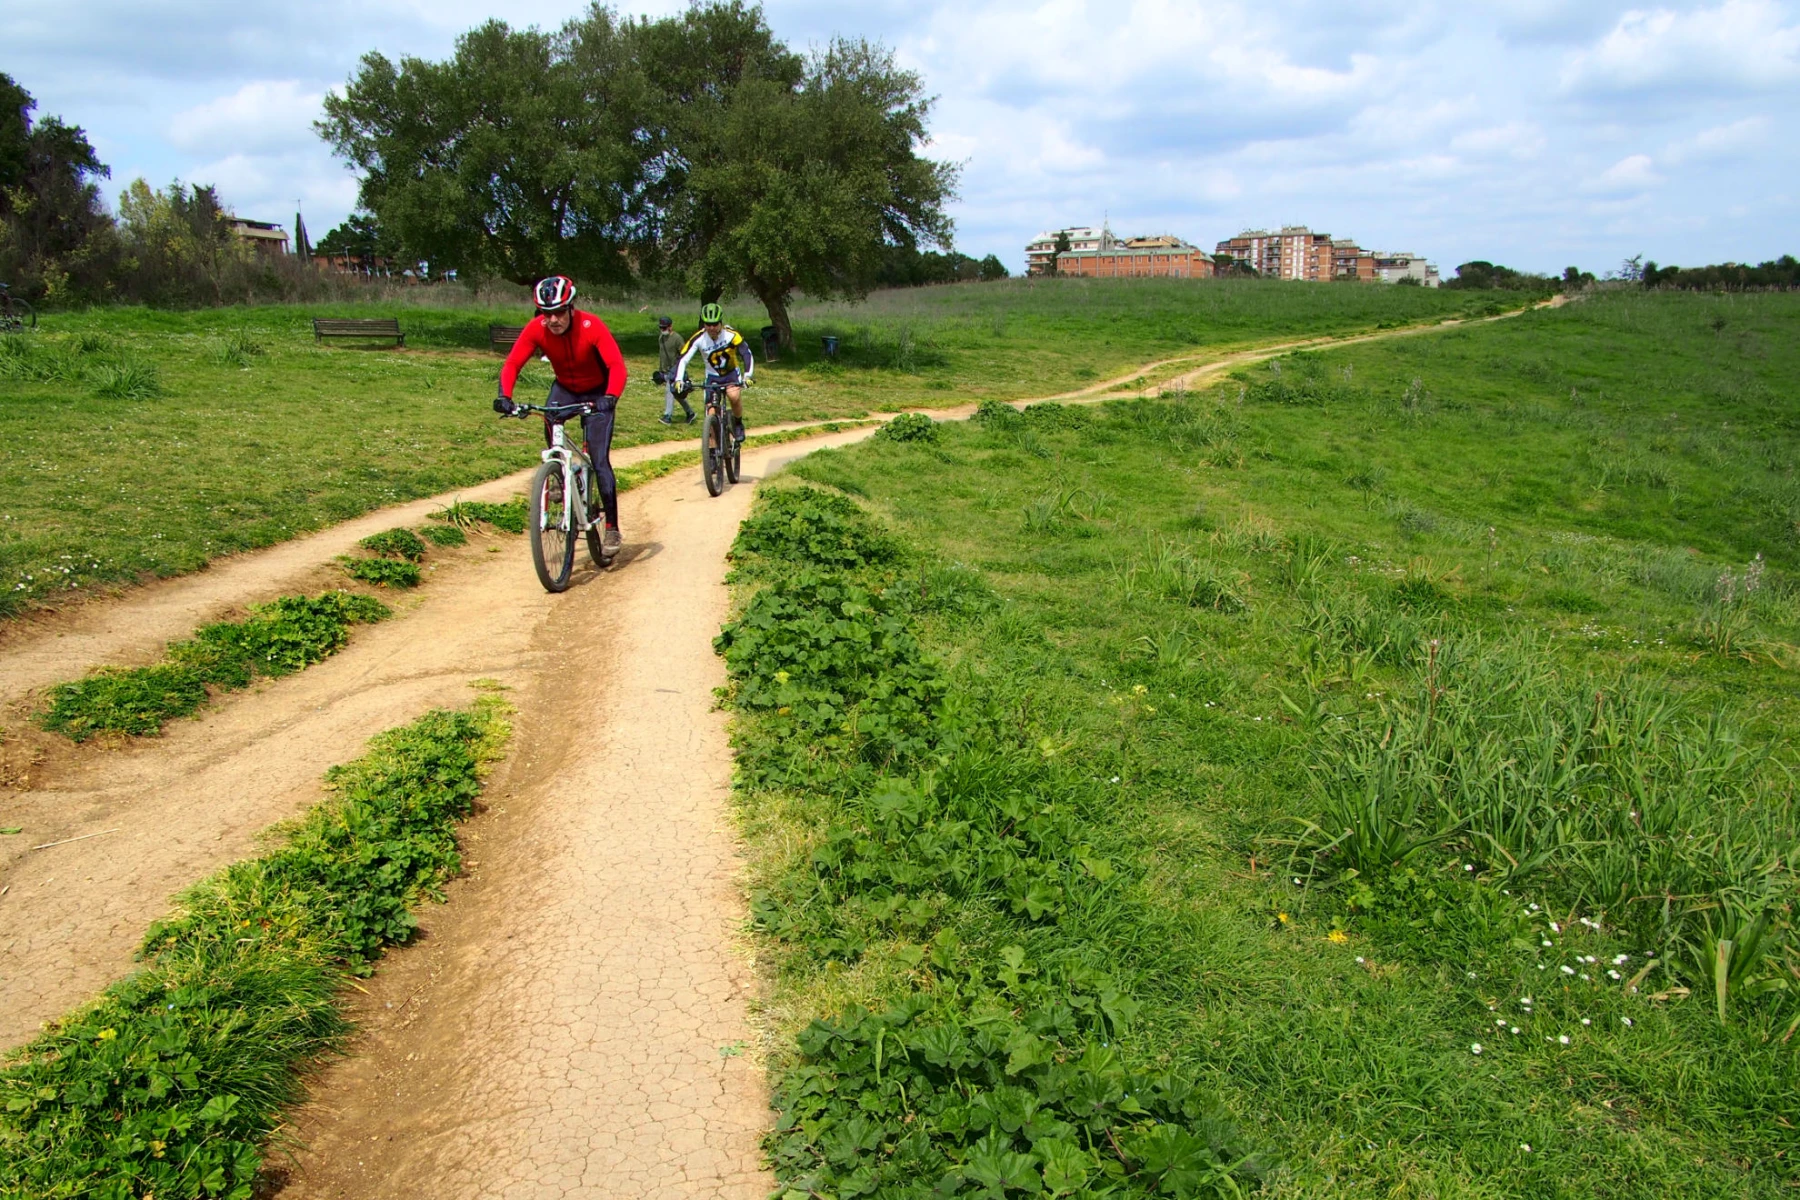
x=658 y=377
x=504 y=406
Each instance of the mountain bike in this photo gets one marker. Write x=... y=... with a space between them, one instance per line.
x=721 y=451
x=16 y=316
x=563 y=494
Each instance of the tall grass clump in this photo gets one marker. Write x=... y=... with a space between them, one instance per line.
x=1604 y=797
x=173 y=1080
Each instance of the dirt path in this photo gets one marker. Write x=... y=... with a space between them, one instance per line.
x=573 y=1021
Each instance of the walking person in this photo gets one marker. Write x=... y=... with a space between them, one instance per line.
x=669 y=345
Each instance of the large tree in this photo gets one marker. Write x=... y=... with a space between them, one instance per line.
x=797 y=174
x=523 y=154
x=55 y=234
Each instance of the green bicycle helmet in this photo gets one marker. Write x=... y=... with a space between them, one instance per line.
x=711 y=314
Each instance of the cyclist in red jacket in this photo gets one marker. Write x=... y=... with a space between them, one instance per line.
x=589 y=370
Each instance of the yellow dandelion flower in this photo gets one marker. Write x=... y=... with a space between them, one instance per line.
x=1282 y=917
x=1337 y=936
x=107 y=1035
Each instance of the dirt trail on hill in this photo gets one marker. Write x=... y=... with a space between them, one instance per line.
x=572 y=1023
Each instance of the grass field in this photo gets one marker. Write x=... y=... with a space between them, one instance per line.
x=1370 y=778
x=142 y=443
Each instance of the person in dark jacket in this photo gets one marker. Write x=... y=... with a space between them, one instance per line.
x=669 y=345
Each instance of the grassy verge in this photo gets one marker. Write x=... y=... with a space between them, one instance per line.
x=170 y=1083
x=246 y=433
x=276 y=639
x=1428 y=812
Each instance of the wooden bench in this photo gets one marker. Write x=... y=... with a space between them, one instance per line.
x=379 y=327
x=502 y=337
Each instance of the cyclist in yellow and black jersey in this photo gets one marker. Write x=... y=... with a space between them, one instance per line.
x=727 y=357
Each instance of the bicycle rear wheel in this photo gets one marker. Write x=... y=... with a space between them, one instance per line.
x=734 y=450
x=552 y=542
x=712 y=450
x=18 y=315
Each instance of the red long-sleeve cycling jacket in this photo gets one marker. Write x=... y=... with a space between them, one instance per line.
x=585 y=359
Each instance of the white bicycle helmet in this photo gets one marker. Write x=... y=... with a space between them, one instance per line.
x=555 y=293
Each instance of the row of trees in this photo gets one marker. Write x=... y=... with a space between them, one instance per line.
x=696 y=148
x=1782 y=273
x=59 y=243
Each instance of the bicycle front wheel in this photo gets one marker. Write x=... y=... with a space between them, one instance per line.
x=552 y=540
x=20 y=315
x=712 y=451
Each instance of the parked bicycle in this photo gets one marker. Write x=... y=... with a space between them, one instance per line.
x=564 y=501
x=16 y=316
x=721 y=451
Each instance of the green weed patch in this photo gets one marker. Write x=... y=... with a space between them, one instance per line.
x=444 y=535
x=278 y=638
x=805 y=527
x=395 y=543
x=383 y=572
x=172 y=1081
x=969 y=863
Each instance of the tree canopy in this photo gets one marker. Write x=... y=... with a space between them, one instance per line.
x=696 y=147
x=521 y=155
x=55 y=233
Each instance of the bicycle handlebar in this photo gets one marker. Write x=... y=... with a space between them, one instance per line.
x=553 y=412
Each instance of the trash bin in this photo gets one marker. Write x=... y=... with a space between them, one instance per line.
x=771 y=344
x=830 y=345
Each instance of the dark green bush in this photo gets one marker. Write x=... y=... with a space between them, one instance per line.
x=909 y=427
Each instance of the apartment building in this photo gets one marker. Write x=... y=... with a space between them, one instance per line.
x=1296 y=252
x=1041 y=250
x=1100 y=254
x=1403 y=264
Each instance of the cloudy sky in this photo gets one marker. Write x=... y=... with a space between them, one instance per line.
x=1537 y=133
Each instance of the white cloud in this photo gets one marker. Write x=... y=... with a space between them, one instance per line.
x=1739 y=138
x=1634 y=173
x=1742 y=44
x=259 y=117
x=1515 y=139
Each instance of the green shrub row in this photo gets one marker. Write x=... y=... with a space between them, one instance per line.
x=277 y=638
x=171 y=1082
x=974 y=865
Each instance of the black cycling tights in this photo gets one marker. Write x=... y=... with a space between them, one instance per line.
x=596 y=433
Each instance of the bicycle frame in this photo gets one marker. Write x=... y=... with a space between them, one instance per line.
x=573 y=461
